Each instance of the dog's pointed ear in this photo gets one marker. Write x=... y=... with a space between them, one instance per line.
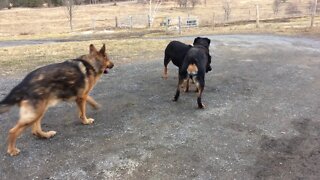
x=103 y=49
x=209 y=41
x=196 y=39
x=92 y=49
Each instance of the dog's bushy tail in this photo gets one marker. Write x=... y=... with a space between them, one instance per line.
x=4 y=108
x=13 y=98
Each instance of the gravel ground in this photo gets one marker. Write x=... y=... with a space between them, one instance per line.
x=262 y=120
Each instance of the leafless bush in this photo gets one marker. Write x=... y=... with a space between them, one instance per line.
x=275 y=6
x=311 y=6
x=194 y=3
x=182 y=3
x=3 y=4
x=227 y=9
x=292 y=8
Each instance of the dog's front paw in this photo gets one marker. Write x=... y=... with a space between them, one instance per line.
x=13 y=151
x=165 y=76
x=88 y=121
x=201 y=106
x=50 y=134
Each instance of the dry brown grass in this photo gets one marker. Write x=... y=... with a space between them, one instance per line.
x=25 y=23
x=53 y=22
x=22 y=59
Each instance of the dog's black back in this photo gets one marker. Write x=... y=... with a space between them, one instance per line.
x=175 y=51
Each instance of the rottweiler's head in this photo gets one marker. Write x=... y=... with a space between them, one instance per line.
x=205 y=42
x=202 y=41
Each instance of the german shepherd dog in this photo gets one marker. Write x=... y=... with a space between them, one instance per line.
x=46 y=86
x=194 y=66
x=176 y=52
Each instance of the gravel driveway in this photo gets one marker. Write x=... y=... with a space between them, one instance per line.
x=262 y=120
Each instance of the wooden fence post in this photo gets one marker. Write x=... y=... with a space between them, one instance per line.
x=314 y=11
x=131 y=23
x=149 y=21
x=258 y=16
x=179 y=26
x=213 y=21
x=116 y=21
x=93 y=21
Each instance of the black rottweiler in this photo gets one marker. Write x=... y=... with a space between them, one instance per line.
x=176 y=51
x=195 y=65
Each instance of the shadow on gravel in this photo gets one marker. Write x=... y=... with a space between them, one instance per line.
x=290 y=157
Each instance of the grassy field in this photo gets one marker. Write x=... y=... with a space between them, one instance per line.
x=126 y=45
x=53 y=22
x=22 y=59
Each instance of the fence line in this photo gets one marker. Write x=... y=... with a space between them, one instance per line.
x=255 y=14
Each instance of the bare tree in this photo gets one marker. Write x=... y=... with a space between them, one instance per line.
x=275 y=6
x=292 y=8
x=227 y=9
x=153 y=9
x=182 y=3
x=70 y=8
x=4 y=4
x=195 y=2
x=311 y=5
x=315 y=4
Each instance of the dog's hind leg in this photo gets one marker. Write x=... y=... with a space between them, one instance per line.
x=37 y=130
x=166 y=62
x=180 y=83
x=187 y=86
x=36 y=127
x=81 y=102
x=28 y=115
x=200 y=87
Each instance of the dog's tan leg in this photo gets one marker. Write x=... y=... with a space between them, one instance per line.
x=28 y=116
x=165 y=73
x=180 y=83
x=36 y=127
x=14 y=133
x=93 y=103
x=199 y=101
x=187 y=85
x=81 y=102
x=37 y=130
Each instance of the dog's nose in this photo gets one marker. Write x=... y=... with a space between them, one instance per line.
x=111 y=65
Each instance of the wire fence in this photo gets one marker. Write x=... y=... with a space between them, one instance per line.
x=245 y=15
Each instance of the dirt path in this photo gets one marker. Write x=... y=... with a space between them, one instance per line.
x=262 y=121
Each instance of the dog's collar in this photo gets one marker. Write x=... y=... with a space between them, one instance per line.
x=87 y=65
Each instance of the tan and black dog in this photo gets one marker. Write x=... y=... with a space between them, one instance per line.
x=194 y=66
x=46 y=86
